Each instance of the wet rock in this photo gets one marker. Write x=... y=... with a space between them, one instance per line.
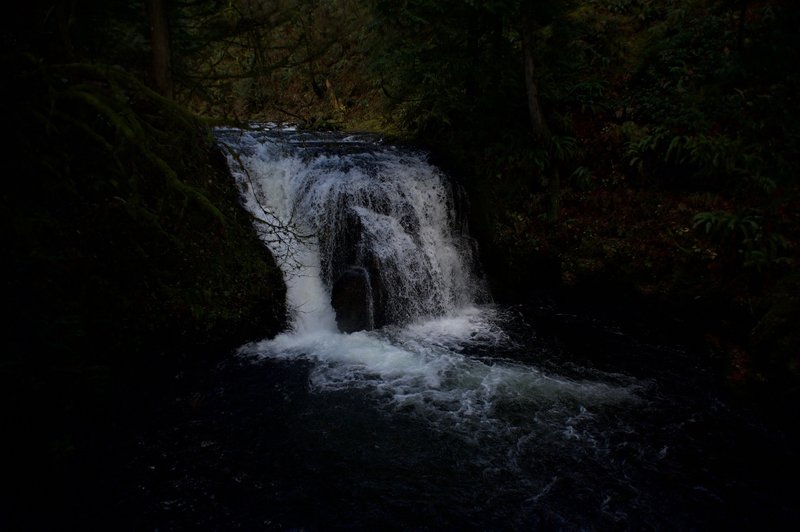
x=351 y=298
x=342 y=245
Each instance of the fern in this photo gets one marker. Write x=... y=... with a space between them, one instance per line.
x=744 y=233
x=563 y=148
x=582 y=177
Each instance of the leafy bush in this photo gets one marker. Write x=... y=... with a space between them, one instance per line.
x=746 y=234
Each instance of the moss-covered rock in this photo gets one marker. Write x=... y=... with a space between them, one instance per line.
x=123 y=225
x=128 y=261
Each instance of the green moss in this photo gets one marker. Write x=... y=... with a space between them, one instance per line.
x=124 y=226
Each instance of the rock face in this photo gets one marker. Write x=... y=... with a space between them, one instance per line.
x=351 y=298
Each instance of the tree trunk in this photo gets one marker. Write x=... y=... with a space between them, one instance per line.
x=538 y=124
x=541 y=132
x=161 y=65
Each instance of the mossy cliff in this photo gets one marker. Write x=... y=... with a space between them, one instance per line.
x=128 y=257
x=123 y=223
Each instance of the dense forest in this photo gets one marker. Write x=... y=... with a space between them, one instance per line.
x=640 y=152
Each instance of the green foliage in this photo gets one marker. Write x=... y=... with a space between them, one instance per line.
x=588 y=96
x=581 y=177
x=747 y=234
x=124 y=231
x=453 y=65
x=700 y=160
x=299 y=60
x=563 y=148
x=714 y=88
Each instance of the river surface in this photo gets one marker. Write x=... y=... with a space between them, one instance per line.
x=451 y=412
x=535 y=437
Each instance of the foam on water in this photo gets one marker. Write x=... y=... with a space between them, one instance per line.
x=432 y=357
x=427 y=368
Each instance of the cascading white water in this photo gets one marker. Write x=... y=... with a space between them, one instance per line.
x=332 y=206
x=349 y=202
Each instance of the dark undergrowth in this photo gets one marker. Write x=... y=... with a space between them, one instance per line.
x=128 y=261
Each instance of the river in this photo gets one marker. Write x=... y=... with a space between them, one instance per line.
x=447 y=411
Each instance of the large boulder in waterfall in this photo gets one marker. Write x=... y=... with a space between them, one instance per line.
x=351 y=298
x=341 y=246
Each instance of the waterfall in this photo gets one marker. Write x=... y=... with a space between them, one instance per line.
x=399 y=400
x=366 y=234
x=372 y=245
